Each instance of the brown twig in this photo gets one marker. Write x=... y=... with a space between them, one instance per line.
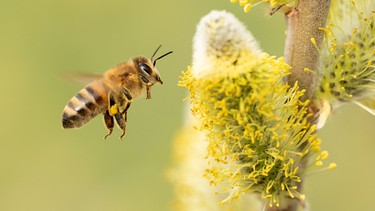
x=303 y=23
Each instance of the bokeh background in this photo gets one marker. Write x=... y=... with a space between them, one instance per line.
x=44 y=167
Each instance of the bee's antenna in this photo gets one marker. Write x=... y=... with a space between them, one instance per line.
x=152 y=57
x=162 y=57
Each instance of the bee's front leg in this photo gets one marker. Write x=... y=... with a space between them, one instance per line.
x=148 y=85
x=148 y=91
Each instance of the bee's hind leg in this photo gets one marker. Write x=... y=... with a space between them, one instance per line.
x=121 y=119
x=113 y=108
x=109 y=123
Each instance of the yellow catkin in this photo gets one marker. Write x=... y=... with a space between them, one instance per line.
x=256 y=138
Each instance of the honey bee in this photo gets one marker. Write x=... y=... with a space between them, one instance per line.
x=112 y=93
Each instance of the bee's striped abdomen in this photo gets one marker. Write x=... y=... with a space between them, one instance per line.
x=85 y=105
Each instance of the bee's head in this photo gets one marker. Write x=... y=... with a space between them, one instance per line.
x=147 y=70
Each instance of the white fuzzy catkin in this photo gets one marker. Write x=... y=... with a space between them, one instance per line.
x=219 y=34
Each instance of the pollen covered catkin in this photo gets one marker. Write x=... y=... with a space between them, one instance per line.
x=348 y=55
x=256 y=125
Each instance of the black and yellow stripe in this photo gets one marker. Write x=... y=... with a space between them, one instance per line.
x=85 y=105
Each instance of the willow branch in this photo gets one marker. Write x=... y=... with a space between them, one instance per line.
x=303 y=23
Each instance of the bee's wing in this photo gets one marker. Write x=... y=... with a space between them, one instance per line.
x=82 y=78
x=368 y=105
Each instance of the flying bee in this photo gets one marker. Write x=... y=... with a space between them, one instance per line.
x=112 y=93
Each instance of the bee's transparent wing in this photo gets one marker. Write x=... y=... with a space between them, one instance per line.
x=81 y=78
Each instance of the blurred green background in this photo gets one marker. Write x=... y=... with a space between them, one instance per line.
x=43 y=167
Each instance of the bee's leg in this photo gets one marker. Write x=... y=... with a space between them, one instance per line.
x=121 y=119
x=144 y=79
x=127 y=94
x=125 y=112
x=112 y=106
x=148 y=92
x=121 y=123
x=109 y=123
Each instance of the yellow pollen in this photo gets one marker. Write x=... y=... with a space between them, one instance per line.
x=243 y=2
x=313 y=41
x=247 y=8
x=332 y=166
x=324 y=155
x=113 y=110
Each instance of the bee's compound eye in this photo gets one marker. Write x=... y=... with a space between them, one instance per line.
x=145 y=68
